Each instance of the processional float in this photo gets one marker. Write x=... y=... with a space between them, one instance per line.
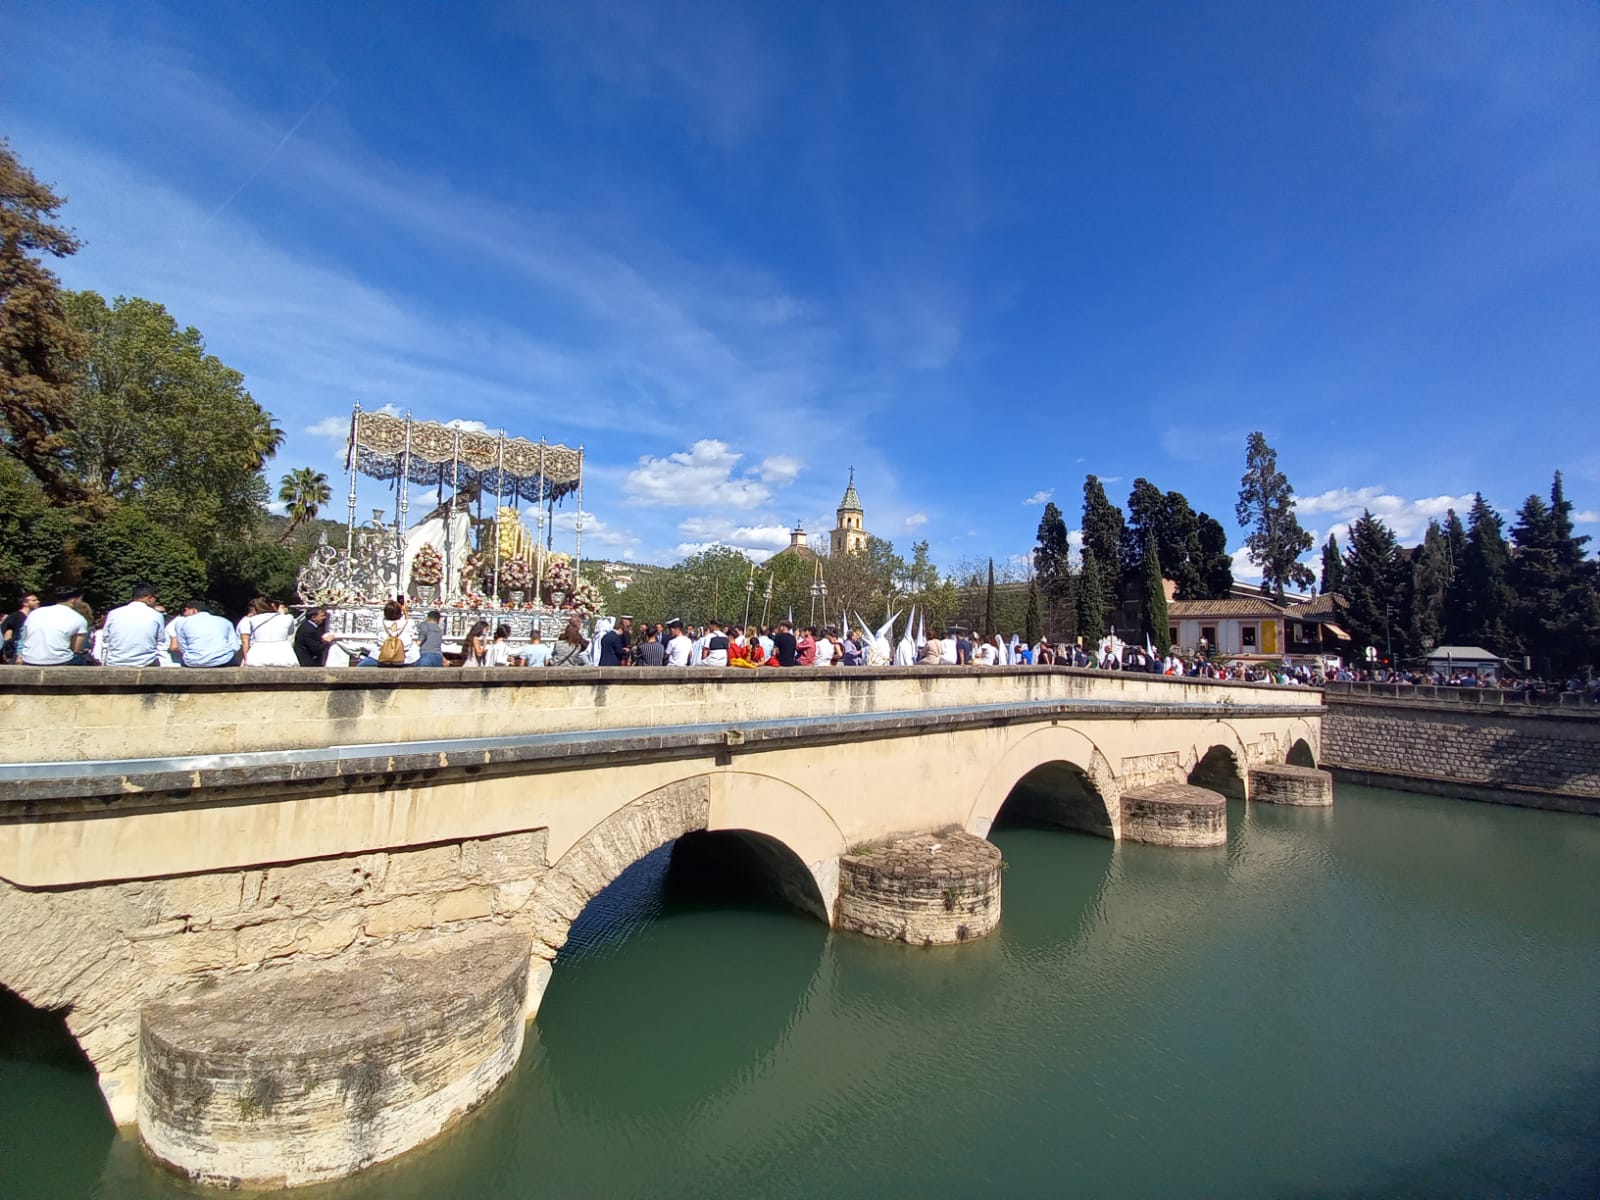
x=455 y=559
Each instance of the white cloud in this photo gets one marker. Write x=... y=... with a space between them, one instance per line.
x=1408 y=518
x=1587 y=516
x=916 y=521
x=337 y=428
x=701 y=477
x=780 y=469
x=1243 y=568
x=601 y=539
x=716 y=531
x=468 y=426
x=1040 y=497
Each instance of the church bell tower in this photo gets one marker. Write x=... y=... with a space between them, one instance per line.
x=848 y=537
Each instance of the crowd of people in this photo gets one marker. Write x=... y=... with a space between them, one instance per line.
x=144 y=633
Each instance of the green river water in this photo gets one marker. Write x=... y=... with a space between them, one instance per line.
x=1399 y=996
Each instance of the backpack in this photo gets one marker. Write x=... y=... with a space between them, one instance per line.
x=393 y=651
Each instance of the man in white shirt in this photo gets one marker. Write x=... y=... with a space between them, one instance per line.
x=133 y=632
x=714 y=648
x=824 y=650
x=55 y=635
x=678 y=646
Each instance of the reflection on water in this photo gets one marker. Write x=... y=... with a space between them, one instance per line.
x=1395 y=997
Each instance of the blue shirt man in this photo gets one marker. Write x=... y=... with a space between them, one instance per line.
x=205 y=639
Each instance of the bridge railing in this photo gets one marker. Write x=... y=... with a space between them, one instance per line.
x=1466 y=697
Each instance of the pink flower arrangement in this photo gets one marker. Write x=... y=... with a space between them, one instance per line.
x=427 y=568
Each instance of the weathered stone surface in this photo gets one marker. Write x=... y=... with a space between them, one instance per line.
x=1174 y=814
x=298 y=1075
x=933 y=889
x=1511 y=753
x=1280 y=783
x=135 y=943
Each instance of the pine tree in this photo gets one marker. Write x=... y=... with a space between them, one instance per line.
x=1555 y=611
x=1176 y=528
x=1332 y=567
x=988 y=606
x=1091 y=600
x=1430 y=585
x=1373 y=572
x=1480 y=597
x=1155 y=596
x=1266 y=508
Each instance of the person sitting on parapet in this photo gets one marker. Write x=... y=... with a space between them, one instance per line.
x=679 y=647
x=56 y=635
x=931 y=654
x=714 y=647
x=205 y=639
x=785 y=646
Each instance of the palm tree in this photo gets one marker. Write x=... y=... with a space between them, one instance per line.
x=305 y=492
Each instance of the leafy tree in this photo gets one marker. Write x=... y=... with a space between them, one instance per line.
x=1479 y=610
x=988 y=605
x=1332 y=567
x=1214 y=564
x=1266 y=508
x=1430 y=587
x=1155 y=596
x=1102 y=532
x=1091 y=599
x=1031 y=623
x=158 y=419
x=39 y=348
x=240 y=570
x=34 y=535
x=1176 y=528
x=128 y=547
x=305 y=491
x=1374 y=572
x=1053 y=570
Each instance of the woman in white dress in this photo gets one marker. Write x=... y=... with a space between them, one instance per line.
x=266 y=635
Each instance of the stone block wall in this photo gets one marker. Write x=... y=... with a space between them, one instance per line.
x=134 y=943
x=1500 y=752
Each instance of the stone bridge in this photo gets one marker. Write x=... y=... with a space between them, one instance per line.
x=297 y=919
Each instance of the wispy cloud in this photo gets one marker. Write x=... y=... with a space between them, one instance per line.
x=1040 y=497
x=916 y=521
x=1408 y=518
x=700 y=477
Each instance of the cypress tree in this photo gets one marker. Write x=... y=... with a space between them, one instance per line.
x=988 y=605
x=1102 y=532
x=1332 y=567
x=1053 y=570
x=1030 y=619
x=1091 y=600
x=1155 y=596
x=1215 y=563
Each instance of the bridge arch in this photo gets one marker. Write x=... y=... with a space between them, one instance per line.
x=778 y=830
x=1066 y=778
x=1221 y=761
x=1304 y=745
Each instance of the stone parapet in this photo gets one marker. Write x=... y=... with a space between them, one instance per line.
x=290 y=1077
x=933 y=889
x=1174 y=814
x=1280 y=783
x=1514 y=755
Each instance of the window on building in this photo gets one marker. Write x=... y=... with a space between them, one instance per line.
x=1208 y=634
x=1172 y=635
x=1247 y=636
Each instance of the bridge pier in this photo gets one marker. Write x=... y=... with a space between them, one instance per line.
x=932 y=889
x=1174 y=814
x=293 y=1076
x=1281 y=783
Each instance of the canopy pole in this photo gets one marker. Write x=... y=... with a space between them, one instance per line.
x=402 y=506
x=577 y=557
x=538 y=536
x=451 y=582
x=499 y=480
x=350 y=469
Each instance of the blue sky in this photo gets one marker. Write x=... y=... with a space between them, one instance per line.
x=974 y=250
